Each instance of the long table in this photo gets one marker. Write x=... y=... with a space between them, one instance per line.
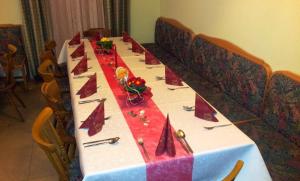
x=215 y=151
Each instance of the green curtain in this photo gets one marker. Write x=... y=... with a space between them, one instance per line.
x=37 y=30
x=116 y=15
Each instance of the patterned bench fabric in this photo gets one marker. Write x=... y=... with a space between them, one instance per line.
x=244 y=80
x=174 y=38
x=282 y=105
x=281 y=156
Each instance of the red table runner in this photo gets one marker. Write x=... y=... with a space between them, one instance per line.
x=161 y=167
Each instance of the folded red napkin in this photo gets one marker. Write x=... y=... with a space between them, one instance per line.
x=75 y=40
x=79 y=51
x=166 y=142
x=136 y=47
x=81 y=67
x=89 y=88
x=150 y=59
x=126 y=37
x=171 y=78
x=95 y=121
x=203 y=110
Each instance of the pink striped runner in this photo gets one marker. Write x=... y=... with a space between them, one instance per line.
x=162 y=167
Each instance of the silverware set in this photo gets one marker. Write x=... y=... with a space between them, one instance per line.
x=188 y=108
x=172 y=89
x=217 y=126
x=100 y=142
x=180 y=135
x=160 y=78
x=92 y=100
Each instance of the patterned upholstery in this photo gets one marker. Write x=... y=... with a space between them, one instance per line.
x=281 y=156
x=240 y=75
x=174 y=38
x=282 y=105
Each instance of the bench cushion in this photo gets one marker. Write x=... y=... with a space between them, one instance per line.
x=173 y=37
x=240 y=75
x=282 y=105
x=281 y=156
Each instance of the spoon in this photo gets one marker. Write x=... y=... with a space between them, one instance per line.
x=177 y=88
x=99 y=142
x=212 y=127
x=180 y=134
x=141 y=142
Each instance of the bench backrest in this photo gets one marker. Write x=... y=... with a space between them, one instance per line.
x=240 y=75
x=174 y=38
x=282 y=104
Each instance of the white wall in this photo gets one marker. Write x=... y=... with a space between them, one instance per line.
x=10 y=12
x=269 y=29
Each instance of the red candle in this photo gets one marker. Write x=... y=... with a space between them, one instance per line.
x=116 y=55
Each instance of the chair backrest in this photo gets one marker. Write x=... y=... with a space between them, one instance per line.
x=8 y=65
x=92 y=32
x=282 y=104
x=46 y=70
x=235 y=171
x=239 y=74
x=50 y=90
x=174 y=38
x=45 y=135
x=50 y=46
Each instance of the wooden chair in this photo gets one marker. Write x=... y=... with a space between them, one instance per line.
x=235 y=171
x=63 y=113
x=8 y=85
x=50 y=46
x=48 y=139
x=20 y=63
x=92 y=32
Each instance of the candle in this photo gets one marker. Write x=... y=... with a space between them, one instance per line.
x=116 y=56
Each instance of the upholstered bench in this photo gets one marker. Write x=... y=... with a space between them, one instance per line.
x=172 y=42
x=239 y=78
x=277 y=134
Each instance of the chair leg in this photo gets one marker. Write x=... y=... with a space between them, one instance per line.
x=24 y=75
x=10 y=97
x=18 y=98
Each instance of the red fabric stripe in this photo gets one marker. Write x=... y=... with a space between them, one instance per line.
x=163 y=167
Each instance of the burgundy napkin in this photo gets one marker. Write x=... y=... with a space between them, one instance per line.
x=79 y=52
x=98 y=36
x=171 y=78
x=75 y=40
x=95 y=121
x=150 y=59
x=166 y=142
x=136 y=47
x=81 y=66
x=126 y=37
x=203 y=110
x=89 y=88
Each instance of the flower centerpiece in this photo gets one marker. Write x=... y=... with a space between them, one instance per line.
x=105 y=44
x=137 y=90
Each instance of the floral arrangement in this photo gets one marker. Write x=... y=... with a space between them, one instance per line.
x=105 y=43
x=135 y=85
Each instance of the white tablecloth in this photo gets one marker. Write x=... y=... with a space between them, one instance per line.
x=215 y=151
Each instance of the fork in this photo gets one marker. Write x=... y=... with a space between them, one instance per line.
x=177 y=88
x=160 y=78
x=92 y=100
x=188 y=108
x=153 y=67
x=82 y=76
x=212 y=127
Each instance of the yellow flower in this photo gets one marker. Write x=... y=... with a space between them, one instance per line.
x=104 y=39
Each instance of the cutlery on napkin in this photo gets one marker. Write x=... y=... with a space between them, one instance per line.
x=89 y=88
x=75 y=40
x=166 y=142
x=95 y=120
x=171 y=78
x=79 y=51
x=81 y=67
x=203 y=110
x=150 y=59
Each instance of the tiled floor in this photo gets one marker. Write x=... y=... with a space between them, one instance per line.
x=20 y=158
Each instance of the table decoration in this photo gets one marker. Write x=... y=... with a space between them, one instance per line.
x=95 y=120
x=203 y=110
x=105 y=46
x=81 y=67
x=150 y=59
x=171 y=78
x=89 y=88
x=166 y=142
x=75 y=40
x=78 y=52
